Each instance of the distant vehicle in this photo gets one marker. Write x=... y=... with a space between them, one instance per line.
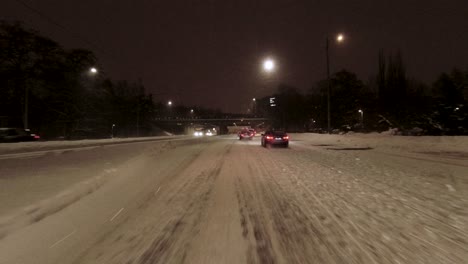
x=253 y=131
x=278 y=138
x=245 y=133
x=17 y=135
x=198 y=133
x=209 y=133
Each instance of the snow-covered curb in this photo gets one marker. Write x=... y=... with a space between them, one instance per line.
x=7 y=148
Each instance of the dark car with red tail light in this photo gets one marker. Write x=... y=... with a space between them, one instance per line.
x=17 y=135
x=245 y=133
x=275 y=138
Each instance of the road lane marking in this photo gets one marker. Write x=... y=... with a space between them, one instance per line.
x=63 y=239
x=112 y=219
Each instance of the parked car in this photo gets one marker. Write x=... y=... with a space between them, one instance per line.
x=17 y=135
x=245 y=133
x=277 y=138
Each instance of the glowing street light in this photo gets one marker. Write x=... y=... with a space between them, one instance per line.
x=169 y=103
x=362 y=117
x=268 y=65
x=340 y=38
x=93 y=70
x=254 y=106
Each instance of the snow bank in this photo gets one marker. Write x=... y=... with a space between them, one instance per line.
x=6 y=148
x=386 y=141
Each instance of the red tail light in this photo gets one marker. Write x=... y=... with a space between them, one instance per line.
x=269 y=137
x=286 y=137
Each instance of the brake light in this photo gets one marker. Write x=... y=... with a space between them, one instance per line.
x=269 y=137
x=37 y=137
x=286 y=137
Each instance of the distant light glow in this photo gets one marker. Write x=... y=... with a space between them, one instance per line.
x=169 y=103
x=268 y=65
x=360 y=111
x=93 y=70
x=254 y=99
x=340 y=38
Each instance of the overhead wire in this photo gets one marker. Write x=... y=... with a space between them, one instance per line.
x=62 y=27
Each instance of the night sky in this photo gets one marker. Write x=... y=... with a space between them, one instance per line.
x=209 y=53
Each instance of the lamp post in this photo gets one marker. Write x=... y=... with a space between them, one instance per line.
x=268 y=67
x=112 y=130
x=362 y=117
x=339 y=38
x=169 y=110
x=254 y=107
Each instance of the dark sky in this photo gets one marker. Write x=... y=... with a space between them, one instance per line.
x=209 y=52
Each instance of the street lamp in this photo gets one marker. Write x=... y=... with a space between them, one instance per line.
x=112 y=129
x=362 y=117
x=339 y=39
x=93 y=70
x=268 y=65
x=254 y=107
x=169 y=103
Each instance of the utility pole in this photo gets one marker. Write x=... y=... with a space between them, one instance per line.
x=141 y=93
x=328 y=86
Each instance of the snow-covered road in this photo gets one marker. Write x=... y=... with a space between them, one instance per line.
x=326 y=199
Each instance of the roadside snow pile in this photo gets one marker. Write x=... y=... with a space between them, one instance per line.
x=388 y=142
x=6 y=148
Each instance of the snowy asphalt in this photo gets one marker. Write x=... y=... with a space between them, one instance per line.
x=221 y=200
